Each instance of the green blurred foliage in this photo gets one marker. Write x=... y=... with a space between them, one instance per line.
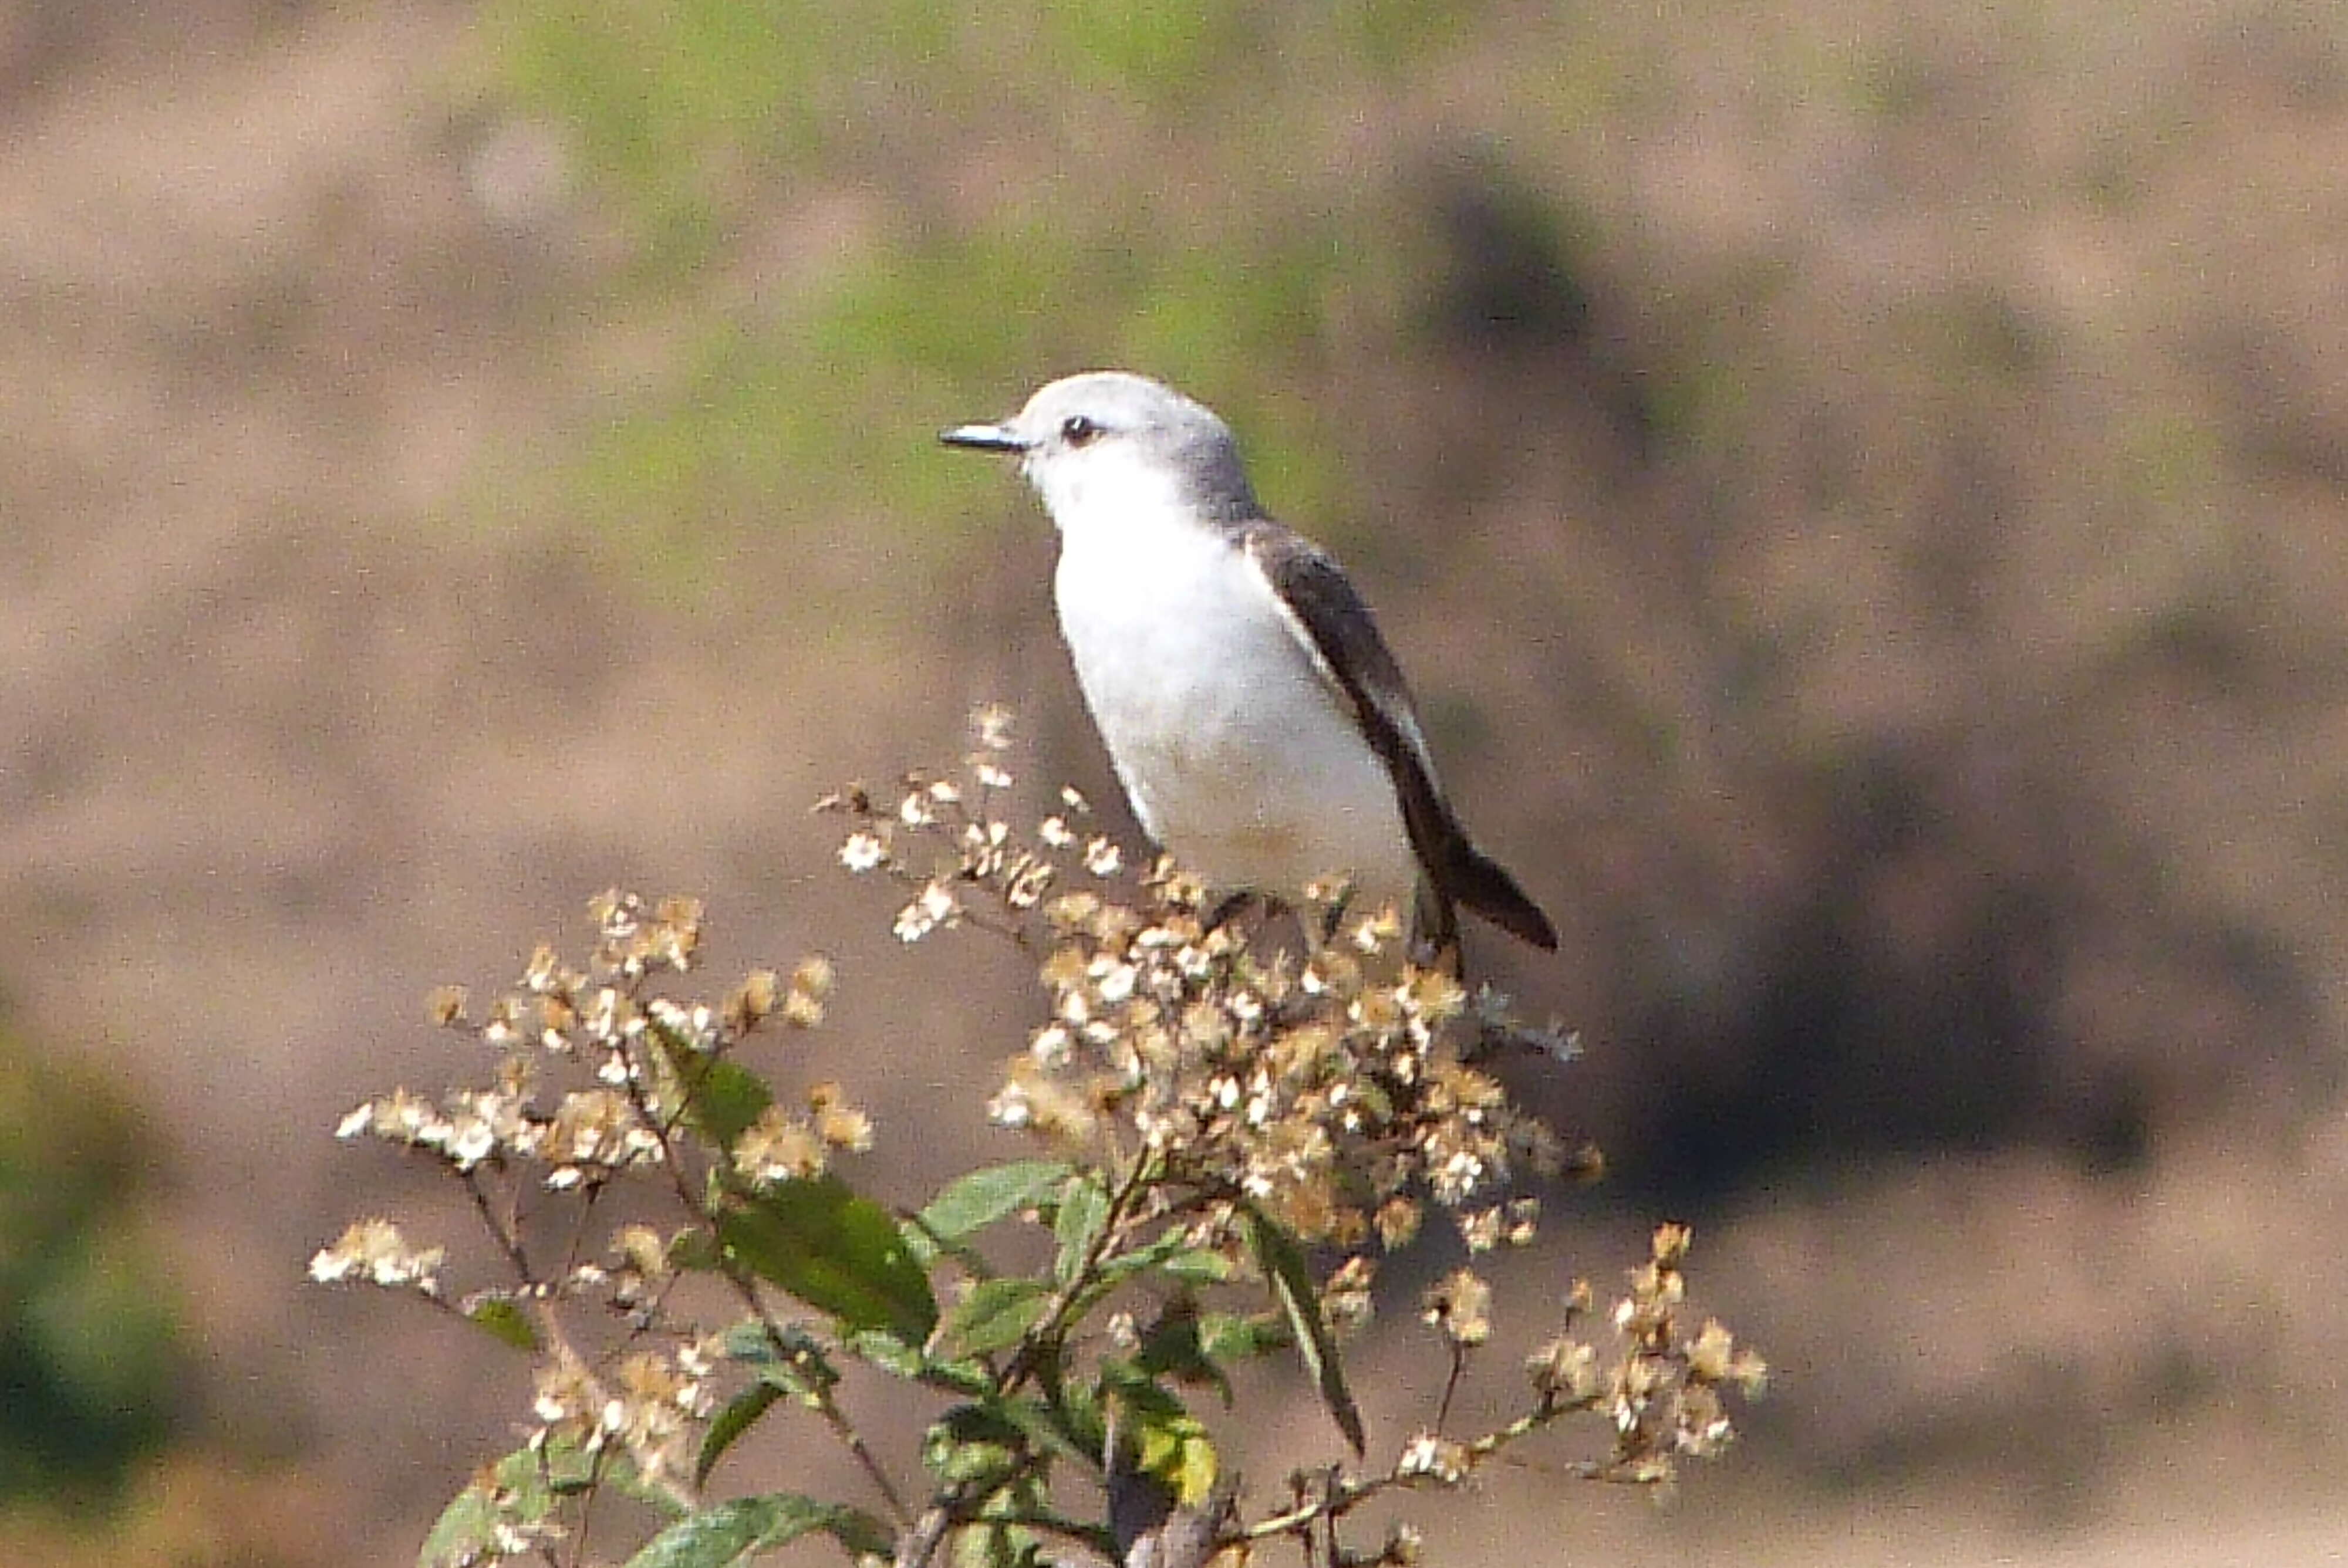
x=87 y=1317
x=1146 y=196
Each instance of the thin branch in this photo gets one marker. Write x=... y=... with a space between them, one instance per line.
x=1342 y=1494
x=1450 y=1385
x=1092 y=1537
x=508 y=1239
x=1341 y=1497
x=920 y=1541
x=578 y=1232
x=845 y=1432
x=1048 y=1329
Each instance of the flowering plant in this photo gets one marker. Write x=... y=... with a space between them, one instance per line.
x=1228 y=1139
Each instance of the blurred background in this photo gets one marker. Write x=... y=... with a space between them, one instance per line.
x=1862 y=494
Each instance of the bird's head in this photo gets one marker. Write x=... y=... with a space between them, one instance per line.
x=1108 y=442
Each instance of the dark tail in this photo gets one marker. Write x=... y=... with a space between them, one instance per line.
x=1480 y=883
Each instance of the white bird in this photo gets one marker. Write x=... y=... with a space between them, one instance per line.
x=1259 y=725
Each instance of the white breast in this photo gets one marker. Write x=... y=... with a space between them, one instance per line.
x=1237 y=754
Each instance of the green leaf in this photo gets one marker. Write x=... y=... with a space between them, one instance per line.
x=984 y=1543
x=1084 y=1209
x=881 y=1348
x=568 y=1469
x=1282 y=1262
x=1051 y=1430
x=625 y=1478
x=1199 y=1266
x=972 y=1447
x=1229 y=1336
x=740 y=1414
x=1173 y=1347
x=746 y=1340
x=839 y=1253
x=1178 y=1452
x=989 y=1195
x=502 y=1316
x=1158 y=1252
x=893 y=1356
x=994 y=1316
x=787 y=1357
x=696 y=1249
x=734 y=1532
x=466 y=1526
x=1162 y=1438
x=722 y=1098
x=725 y=1097
x=522 y=1488
x=889 y=1352
x=1170 y=1253
x=1078 y=1409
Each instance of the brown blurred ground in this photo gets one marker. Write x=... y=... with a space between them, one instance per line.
x=1942 y=785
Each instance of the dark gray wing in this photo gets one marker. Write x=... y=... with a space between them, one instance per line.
x=1337 y=628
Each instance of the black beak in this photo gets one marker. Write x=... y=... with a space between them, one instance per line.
x=983 y=438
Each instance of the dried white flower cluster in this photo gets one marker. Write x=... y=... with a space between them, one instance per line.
x=1214 y=1110
x=1330 y=1095
x=1326 y=1094
x=1662 y=1391
x=1338 y=1094
x=374 y=1252
x=649 y=1405
x=980 y=853
x=597 y=1076
x=645 y=1054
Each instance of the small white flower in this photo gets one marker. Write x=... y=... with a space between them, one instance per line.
x=992 y=722
x=1051 y=1046
x=935 y=906
x=472 y=1140
x=1116 y=981
x=1432 y=1457
x=1010 y=1107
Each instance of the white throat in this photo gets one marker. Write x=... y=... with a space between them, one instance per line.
x=1111 y=491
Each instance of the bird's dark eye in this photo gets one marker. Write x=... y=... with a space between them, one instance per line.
x=1077 y=430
